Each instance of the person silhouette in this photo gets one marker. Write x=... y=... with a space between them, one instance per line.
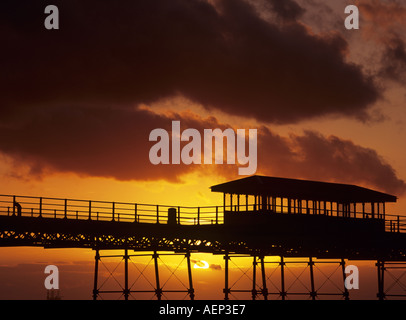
x=18 y=207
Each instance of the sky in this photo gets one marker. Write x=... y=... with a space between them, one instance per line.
x=77 y=104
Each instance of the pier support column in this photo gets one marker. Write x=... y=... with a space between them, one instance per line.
x=254 y=278
x=264 y=288
x=380 y=266
x=191 y=290
x=226 y=286
x=283 y=292
x=346 y=294
x=96 y=273
x=158 y=289
x=126 y=291
x=313 y=293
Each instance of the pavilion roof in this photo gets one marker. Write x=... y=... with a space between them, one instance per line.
x=302 y=189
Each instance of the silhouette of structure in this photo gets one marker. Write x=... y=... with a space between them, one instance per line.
x=261 y=217
x=53 y=294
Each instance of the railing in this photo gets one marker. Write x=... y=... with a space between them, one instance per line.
x=59 y=208
x=393 y=223
x=293 y=209
x=108 y=211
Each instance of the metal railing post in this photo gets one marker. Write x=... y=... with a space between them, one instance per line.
x=398 y=224
x=40 y=207
x=66 y=208
x=198 y=215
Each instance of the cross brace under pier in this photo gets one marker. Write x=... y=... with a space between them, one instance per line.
x=313 y=289
x=127 y=290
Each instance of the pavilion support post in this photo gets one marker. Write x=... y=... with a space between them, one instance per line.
x=373 y=209
x=263 y=202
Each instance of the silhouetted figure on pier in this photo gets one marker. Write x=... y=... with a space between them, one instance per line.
x=18 y=208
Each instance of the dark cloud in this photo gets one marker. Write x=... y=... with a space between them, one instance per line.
x=287 y=10
x=223 y=56
x=68 y=97
x=316 y=157
x=215 y=266
x=104 y=142
x=383 y=23
x=394 y=60
x=114 y=142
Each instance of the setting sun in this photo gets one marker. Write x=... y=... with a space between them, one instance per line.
x=201 y=264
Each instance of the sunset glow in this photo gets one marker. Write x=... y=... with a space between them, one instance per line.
x=79 y=104
x=201 y=265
